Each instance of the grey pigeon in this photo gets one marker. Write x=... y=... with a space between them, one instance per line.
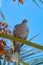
x=20 y=31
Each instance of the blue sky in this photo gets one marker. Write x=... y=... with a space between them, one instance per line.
x=15 y=13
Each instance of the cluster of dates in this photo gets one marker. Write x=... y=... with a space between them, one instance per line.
x=4 y=29
x=21 y=1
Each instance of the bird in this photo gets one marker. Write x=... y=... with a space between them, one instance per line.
x=19 y=31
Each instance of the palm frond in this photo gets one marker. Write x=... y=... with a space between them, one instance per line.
x=4 y=63
x=34 y=36
x=3 y=17
x=36 y=4
x=24 y=52
x=16 y=63
x=36 y=61
x=24 y=63
x=21 y=40
x=41 y=1
x=26 y=56
x=0 y=62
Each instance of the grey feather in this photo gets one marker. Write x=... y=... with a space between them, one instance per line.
x=21 y=31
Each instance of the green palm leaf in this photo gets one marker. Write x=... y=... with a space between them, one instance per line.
x=4 y=63
x=24 y=63
x=27 y=55
x=21 y=40
x=36 y=4
x=0 y=62
x=2 y=15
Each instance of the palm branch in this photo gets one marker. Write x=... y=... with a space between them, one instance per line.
x=25 y=54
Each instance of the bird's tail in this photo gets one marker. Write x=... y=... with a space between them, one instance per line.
x=15 y=57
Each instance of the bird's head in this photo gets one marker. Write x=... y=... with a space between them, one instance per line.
x=24 y=22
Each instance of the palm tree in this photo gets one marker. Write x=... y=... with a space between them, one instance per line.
x=27 y=57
